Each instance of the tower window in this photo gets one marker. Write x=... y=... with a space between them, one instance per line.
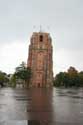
x=41 y=38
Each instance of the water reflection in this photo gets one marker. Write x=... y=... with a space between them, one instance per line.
x=53 y=106
x=40 y=108
x=21 y=122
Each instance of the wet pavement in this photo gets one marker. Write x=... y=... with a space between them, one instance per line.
x=40 y=106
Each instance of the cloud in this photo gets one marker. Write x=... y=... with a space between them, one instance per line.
x=65 y=19
x=64 y=58
x=12 y=55
x=17 y=51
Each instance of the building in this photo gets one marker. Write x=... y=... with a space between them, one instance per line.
x=40 y=60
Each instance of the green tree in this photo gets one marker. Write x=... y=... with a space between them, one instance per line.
x=80 y=75
x=73 y=77
x=23 y=73
x=69 y=78
x=66 y=79
x=3 y=78
x=58 y=81
x=12 y=82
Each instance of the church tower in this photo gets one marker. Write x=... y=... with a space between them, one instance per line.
x=40 y=60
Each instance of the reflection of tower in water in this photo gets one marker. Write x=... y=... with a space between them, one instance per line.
x=40 y=107
x=40 y=60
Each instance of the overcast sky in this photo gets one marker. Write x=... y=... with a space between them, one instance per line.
x=63 y=19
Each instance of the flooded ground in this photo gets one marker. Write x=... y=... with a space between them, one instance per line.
x=41 y=106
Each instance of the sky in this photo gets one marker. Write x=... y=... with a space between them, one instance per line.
x=63 y=19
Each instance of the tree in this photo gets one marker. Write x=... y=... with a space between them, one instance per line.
x=73 y=76
x=3 y=79
x=59 y=79
x=12 y=82
x=70 y=78
x=80 y=75
x=23 y=74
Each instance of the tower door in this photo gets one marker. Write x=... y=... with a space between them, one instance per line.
x=39 y=80
x=39 y=85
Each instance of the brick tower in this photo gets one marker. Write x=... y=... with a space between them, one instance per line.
x=40 y=60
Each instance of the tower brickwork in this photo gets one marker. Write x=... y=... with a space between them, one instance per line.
x=40 y=60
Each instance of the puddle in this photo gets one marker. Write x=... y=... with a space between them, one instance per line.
x=22 y=98
x=61 y=95
x=76 y=97
x=2 y=105
x=14 y=122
